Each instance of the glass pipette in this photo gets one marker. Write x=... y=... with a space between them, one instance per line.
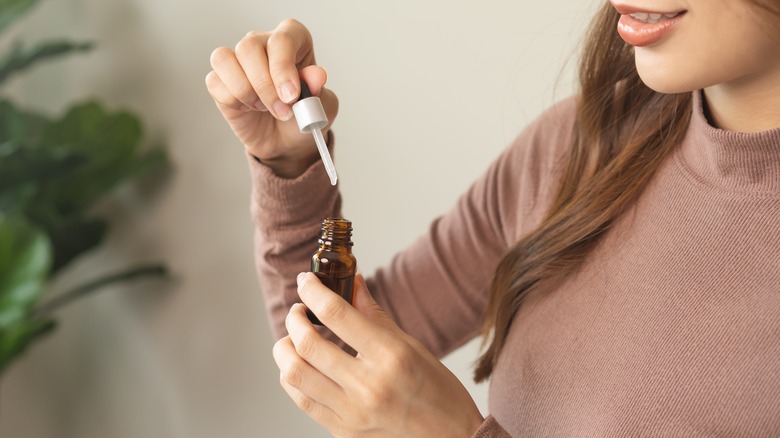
x=311 y=117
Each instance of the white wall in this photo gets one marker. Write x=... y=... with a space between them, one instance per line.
x=430 y=93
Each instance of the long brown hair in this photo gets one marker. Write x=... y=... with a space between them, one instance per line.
x=622 y=134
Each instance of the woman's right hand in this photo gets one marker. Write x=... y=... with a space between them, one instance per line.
x=254 y=87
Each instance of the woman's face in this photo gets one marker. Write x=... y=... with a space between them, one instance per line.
x=685 y=45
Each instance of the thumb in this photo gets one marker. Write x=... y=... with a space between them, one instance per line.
x=364 y=302
x=315 y=78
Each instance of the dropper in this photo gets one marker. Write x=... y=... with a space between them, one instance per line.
x=311 y=117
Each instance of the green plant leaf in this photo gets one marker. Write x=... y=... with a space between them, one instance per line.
x=109 y=141
x=21 y=57
x=16 y=200
x=25 y=170
x=74 y=237
x=31 y=164
x=18 y=127
x=10 y=10
x=25 y=260
x=53 y=171
x=75 y=160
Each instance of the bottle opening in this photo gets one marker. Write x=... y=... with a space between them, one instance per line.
x=336 y=231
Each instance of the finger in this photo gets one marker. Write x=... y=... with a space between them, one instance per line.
x=320 y=353
x=315 y=78
x=365 y=303
x=252 y=56
x=222 y=96
x=290 y=49
x=297 y=373
x=232 y=75
x=318 y=412
x=284 y=47
x=351 y=326
x=363 y=299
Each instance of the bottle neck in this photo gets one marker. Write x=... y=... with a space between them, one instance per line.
x=336 y=234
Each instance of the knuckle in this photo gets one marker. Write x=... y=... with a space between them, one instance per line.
x=293 y=374
x=246 y=93
x=254 y=34
x=278 y=349
x=211 y=80
x=400 y=361
x=220 y=55
x=333 y=309
x=279 y=37
x=291 y=22
x=306 y=345
x=289 y=319
x=274 y=40
x=377 y=399
x=214 y=85
x=304 y=402
x=295 y=26
x=247 y=46
x=263 y=86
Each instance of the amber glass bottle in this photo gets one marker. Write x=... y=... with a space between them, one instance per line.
x=333 y=262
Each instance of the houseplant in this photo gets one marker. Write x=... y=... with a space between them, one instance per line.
x=53 y=171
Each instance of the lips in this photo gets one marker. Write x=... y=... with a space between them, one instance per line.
x=641 y=28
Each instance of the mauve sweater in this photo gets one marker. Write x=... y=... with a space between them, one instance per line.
x=670 y=328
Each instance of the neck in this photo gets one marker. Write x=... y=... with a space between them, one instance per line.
x=746 y=105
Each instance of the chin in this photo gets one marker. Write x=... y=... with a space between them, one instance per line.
x=666 y=80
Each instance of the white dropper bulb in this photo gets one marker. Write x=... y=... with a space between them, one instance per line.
x=311 y=117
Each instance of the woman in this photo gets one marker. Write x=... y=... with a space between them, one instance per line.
x=622 y=256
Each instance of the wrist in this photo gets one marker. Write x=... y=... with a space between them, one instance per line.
x=291 y=166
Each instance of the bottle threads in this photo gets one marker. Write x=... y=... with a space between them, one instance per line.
x=333 y=262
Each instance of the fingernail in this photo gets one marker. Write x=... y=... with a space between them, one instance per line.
x=260 y=107
x=282 y=111
x=288 y=92
x=245 y=108
x=299 y=278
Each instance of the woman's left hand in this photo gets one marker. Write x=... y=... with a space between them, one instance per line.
x=392 y=387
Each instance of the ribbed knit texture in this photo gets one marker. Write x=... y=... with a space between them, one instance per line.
x=670 y=328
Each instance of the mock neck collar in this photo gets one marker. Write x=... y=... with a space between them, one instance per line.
x=730 y=160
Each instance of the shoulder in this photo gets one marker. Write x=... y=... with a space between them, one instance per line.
x=545 y=141
x=529 y=170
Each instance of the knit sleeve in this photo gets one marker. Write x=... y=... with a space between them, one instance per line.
x=434 y=289
x=287 y=214
x=490 y=429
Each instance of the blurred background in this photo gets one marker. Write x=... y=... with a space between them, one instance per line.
x=430 y=93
